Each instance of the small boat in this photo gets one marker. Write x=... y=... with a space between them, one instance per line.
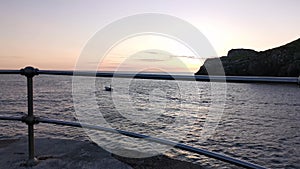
x=108 y=88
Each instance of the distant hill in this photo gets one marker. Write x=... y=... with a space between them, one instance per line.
x=280 y=61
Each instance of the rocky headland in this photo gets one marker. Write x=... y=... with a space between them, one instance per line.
x=280 y=61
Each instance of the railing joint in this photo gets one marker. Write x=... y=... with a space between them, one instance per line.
x=29 y=71
x=30 y=120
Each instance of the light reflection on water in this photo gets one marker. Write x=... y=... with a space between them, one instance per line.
x=260 y=122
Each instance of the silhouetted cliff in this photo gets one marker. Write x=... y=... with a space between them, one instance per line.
x=280 y=61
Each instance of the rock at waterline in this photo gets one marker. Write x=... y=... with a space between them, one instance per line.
x=70 y=154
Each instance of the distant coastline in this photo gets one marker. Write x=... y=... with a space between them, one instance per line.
x=283 y=61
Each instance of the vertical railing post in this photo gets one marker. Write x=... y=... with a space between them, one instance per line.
x=30 y=119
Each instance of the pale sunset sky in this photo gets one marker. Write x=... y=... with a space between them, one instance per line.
x=50 y=34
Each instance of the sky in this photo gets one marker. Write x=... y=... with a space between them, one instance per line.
x=51 y=34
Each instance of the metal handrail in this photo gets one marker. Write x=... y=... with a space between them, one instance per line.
x=212 y=78
x=181 y=146
x=9 y=71
x=241 y=79
x=31 y=120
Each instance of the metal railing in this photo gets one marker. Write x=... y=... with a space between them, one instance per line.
x=32 y=120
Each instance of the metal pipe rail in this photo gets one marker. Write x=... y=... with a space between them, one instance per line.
x=10 y=71
x=242 y=79
x=181 y=146
x=31 y=120
x=239 y=79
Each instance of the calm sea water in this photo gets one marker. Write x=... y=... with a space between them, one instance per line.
x=260 y=122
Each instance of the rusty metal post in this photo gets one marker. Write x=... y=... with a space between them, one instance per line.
x=30 y=119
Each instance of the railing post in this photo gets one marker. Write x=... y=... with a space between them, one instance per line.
x=30 y=119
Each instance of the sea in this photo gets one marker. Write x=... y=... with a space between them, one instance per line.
x=256 y=122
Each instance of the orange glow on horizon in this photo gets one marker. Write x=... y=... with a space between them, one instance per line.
x=150 y=53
